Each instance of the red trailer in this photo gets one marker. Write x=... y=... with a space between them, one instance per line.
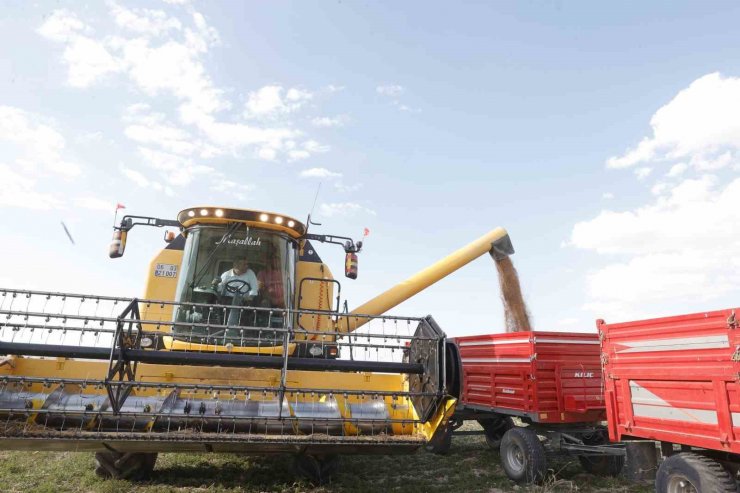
x=676 y=380
x=550 y=382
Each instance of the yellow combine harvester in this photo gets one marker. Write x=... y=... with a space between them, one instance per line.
x=239 y=345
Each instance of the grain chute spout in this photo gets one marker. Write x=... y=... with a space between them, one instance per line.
x=496 y=242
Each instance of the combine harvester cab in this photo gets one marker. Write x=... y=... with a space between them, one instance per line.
x=209 y=362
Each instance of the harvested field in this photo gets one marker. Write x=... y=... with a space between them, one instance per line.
x=470 y=466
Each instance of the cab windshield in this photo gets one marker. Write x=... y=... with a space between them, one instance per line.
x=249 y=269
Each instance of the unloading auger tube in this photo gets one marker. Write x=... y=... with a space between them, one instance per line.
x=496 y=243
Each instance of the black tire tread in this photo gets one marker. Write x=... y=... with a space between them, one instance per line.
x=494 y=430
x=536 y=458
x=712 y=476
x=317 y=470
x=127 y=466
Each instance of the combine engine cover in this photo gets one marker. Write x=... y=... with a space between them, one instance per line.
x=92 y=373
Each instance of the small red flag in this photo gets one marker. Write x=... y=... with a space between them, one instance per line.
x=366 y=233
x=120 y=206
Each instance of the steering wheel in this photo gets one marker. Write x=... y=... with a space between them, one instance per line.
x=235 y=286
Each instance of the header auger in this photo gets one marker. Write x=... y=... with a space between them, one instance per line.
x=235 y=347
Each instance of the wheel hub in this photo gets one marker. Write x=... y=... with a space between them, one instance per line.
x=680 y=484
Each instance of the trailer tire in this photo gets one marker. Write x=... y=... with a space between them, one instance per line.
x=128 y=466
x=495 y=428
x=523 y=456
x=684 y=469
x=318 y=470
x=600 y=465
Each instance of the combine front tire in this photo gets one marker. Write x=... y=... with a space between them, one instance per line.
x=523 y=456
x=318 y=470
x=131 y=466
x=689 y=472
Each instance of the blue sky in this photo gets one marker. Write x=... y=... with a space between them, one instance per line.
x=603 y=136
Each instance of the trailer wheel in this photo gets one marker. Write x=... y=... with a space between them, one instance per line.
x=494 y=429
x=693 y=473
x=130 y=466
x=600 y=465
x=523 y=456
x=318 y=470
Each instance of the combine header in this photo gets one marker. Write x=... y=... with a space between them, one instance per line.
x=238 y=346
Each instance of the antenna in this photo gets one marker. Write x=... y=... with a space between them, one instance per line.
x=315 y=198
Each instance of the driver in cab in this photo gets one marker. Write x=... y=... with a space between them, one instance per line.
x=239 y=283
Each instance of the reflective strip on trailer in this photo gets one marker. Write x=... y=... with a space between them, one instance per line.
x=567 y=341
x=492 y=343
x=675 y=344
x=498 y=360
x=645 y=404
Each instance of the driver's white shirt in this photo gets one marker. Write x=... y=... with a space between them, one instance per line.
x=248 y=277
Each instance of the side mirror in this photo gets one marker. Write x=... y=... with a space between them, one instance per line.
x=350 y=265
x=117 y=244
x=169 y=236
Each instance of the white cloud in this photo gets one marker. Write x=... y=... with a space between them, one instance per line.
x=231 y=188
x=62 y=25
x=341 y=187
x=143 y=181
x=677 y=170
x=662 y=226
x=313 y=146
x=659 y=188
x=36 y=146
x=607 y=195
x=94 y=203
x=326 y=121
x=175 y=170
x=152 y=22
x=19 y=190
x=87 y=60
x=699 y=120
x=392 y=90
x=136 y=176
x=643 y=173
x=163 y=55
x=704 y=162
x=319 y=173
x=307 y=148
x=344 y=209
x=273 y=101
x=152 y=128
x=683 y=244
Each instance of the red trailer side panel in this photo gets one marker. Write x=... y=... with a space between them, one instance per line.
x=550 y=377
x=674 y=379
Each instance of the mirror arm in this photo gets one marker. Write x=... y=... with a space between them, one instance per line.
x=129 y=222
x=347 y=243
